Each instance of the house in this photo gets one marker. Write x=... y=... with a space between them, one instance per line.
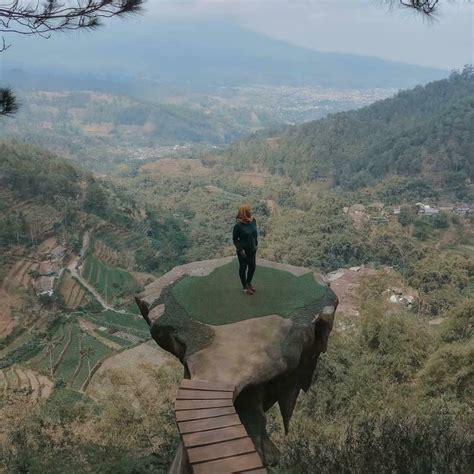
x=431 y=211
x=396 y=210
x=426 y=209
x=463 y=210
x=44 y=286
x=57 y=253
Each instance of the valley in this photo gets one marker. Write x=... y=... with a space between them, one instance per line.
x=327 y=195
x=106 y=131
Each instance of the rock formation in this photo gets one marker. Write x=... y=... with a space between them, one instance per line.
x=266 y=345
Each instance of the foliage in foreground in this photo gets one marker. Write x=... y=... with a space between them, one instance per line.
x=392 y=395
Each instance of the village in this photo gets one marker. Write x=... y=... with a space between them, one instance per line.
x=378 y=212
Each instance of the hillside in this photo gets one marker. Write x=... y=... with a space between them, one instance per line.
x=201 y=54
x=79 y=363
x=424 y=133
x=44 y=195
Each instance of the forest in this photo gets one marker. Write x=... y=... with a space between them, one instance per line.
x=421 y=133
x=394 y=391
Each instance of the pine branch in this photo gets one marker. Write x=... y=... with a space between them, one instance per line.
x=48 y=16
x=8 y=102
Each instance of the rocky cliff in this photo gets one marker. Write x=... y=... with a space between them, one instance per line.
x=266 y=345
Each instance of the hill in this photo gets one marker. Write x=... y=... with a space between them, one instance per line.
x=71 y=366
x=424 y=133
x=212 y=54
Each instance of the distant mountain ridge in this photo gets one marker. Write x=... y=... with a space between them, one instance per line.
x=208 y=54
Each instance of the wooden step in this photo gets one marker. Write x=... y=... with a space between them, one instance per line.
x=203 y=385
x=188 y=415
x=196 y=404
x=211 y=431
x=224 y=449
x=244 y=462
x=202 y=395
x=208 y=437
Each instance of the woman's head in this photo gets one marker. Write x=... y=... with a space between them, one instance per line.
x=244 y=214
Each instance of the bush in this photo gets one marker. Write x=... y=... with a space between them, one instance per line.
x=385 y=443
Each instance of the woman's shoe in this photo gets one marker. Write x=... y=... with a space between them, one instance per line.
x=251 y=288
x=248 y=290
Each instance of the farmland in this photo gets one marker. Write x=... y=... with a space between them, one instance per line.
x=70 y=355
x=71 y=291
x=125 y=322
x=112 y=283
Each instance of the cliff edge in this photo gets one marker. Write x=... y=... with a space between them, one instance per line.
x=264 y=346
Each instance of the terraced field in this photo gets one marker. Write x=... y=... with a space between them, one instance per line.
x=105 y=254
x=94 y=352
x=128 y=239
x=128 y=323
x=73 y=293
x=35 y=385
x=40 y=218
x=73 y=352
x=109 y=281
x=19 y=274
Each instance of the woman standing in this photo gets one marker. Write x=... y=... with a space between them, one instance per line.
x=246 y=241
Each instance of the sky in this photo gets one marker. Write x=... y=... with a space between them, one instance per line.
x=366 y=27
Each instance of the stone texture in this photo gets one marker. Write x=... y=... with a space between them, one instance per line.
x=268 y=359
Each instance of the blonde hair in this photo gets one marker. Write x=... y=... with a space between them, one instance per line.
x=244 y=214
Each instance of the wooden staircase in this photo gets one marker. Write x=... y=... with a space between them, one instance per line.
x=213 y=436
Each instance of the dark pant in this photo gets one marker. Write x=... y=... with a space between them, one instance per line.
x=247 y=266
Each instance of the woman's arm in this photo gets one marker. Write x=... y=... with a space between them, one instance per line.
x=256 y=234
x=236 y=238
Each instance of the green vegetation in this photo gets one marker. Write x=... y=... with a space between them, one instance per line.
x=192 y=334
x=103 y=131
x=92 y=352
x=21 y=354
x=218 y=298
x=425 y=131
x=112 y=438
x=128 y=322
x=112 y=338
x=391 y=392
x=395 y=387
x=112 y=283
x=67 y=366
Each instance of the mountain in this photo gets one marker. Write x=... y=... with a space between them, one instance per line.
x=206 y=54
x=426 y=132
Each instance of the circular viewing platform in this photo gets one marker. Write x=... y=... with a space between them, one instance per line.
x=218 y=298
x=241 y=353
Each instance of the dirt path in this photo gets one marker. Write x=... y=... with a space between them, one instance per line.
x=74 y=268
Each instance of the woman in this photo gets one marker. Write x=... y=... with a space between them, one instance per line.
x=246 y=241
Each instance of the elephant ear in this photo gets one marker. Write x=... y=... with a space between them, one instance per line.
x=323 y=327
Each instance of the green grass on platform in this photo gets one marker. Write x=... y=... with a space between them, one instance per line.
x=218 y=297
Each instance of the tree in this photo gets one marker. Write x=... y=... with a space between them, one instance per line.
x=8 y=102
x=50 y=344
x=45 y=17
x=88 y=352
x=424 y=7
x=406 y=217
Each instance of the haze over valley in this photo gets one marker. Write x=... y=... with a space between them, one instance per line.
x=130 y=153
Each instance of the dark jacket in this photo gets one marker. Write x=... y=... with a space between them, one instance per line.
x=245 y=236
